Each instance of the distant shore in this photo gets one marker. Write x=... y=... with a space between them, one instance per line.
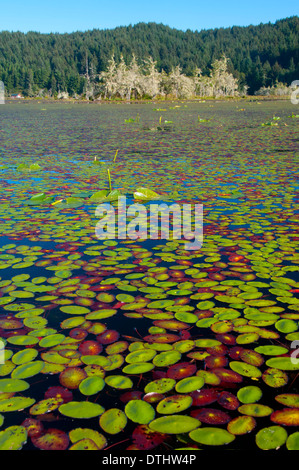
x=148 y=101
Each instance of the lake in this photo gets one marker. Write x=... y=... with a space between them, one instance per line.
x=136 y=342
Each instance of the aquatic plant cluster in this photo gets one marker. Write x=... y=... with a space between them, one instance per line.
x=141 y=344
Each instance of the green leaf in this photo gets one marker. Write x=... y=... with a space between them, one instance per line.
x=81 y=409
x=139 y=411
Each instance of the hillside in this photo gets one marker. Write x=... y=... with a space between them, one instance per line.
x=259 y=55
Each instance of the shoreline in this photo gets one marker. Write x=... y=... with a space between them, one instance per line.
x=153 y=101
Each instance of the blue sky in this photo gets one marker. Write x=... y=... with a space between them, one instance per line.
x=65 y=16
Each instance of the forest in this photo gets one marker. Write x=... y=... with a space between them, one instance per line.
x=78 y=64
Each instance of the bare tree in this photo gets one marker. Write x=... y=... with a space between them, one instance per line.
x=180 y=85
x=151 y=79
x=123 y=79
x=108 y=79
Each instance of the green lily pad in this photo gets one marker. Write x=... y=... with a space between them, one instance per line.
x=75 y=309
x=174 y=404
x=91 y=385
x=255 y=409
x=113 y=421
x=167 y=358
x=22 y=340
x=288 y=399
x=15 y=404
x=145 y=194
x=271 y=437
x=212 y=436
x=39 y=199
x=81 y=409
x=13 y=385
x=78 y=435
x=286 y=326
x=138 y=368
x=143 y=355
x=99 y=196
x=46 y=406
x=69 y=202
x=119 y=381
x=27 y=370
x=27 y=355
x=249 y=394
x=35 y=322
x=189 y=384
x=100 y=314
x=292 y=442
x=160 y=386
x=283 y=363
x=274 y=377
x=13 y=438
x=51 y=340
x=245 y=369
x=271 y=350
x=174 y=424
x=139 y=411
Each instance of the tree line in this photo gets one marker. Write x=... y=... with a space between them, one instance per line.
x=75 y=64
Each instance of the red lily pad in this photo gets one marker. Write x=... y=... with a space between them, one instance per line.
x=145 y=438
x=286 y=417
x=228 y=400
x=162 y=338
x=59 y=392
x=33 y=426
x=204 y=397
x=216 y=361
x=181 y=370
x=171 y=324
x=52 y=439
x=71 y=377
x=90 y=347
x=227 y=375
x=211 y=416
x=108 y=337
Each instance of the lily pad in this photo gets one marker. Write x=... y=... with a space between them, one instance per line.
x=160 y=386
x=189 y=384
x=288 y=399
x=139 y=411
x=212 y=436
x=91 y=385
x=271 y=437
x=27 y=370
x=81 y=409
x=119 y=381
x=113 y=421
x=174 y=404
x=13 y=385
x=145 y=194
x=245 y=369
x=78 y=435
x=15 y=404
x=174 y=424
x=249 y=394
x=13 y=438
x=241 y=425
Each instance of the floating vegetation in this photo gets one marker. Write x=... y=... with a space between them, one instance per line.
x=140 y=343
